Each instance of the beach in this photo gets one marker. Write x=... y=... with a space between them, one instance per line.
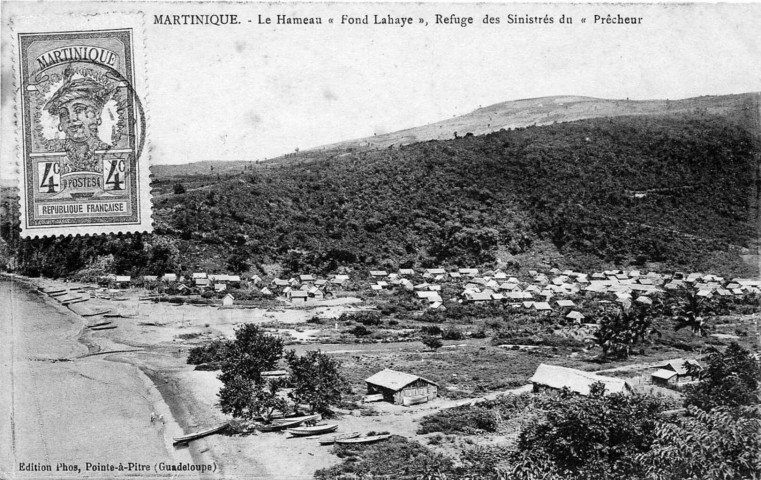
x=81 y=401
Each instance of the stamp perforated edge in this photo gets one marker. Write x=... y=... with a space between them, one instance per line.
x=86 y=22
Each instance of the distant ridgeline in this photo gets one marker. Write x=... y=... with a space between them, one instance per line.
x=676 y=190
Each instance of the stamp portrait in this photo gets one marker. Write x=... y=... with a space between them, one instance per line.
x=82 y=131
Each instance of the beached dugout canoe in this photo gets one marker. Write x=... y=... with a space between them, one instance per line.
x=316 y=430
x=104 y=327
x=193 y=436
x=283 y=423
x=335 y=438
x=373 y=439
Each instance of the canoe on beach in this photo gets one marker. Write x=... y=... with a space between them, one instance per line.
x=373 y=439
x=104 y=327
x=100 y=324
x=283 y=423
x=53 y=290
x=92 y=313
x=335 y=438
x=193 y=436
x=316 y=430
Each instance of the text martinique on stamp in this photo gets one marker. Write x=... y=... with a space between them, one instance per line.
x=83 y=156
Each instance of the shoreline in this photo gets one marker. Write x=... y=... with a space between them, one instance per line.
x=155 y=391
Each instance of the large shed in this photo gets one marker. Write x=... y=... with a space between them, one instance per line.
x=401 y=388
x=554 y=377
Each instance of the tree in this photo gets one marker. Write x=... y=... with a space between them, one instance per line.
x=244 y=393
x=721 y=444
x=432 y=342
x=179 y=188
x=622 y=329
x=689 y=311
x=730 y=379
x=589 y=437
x=316 y=380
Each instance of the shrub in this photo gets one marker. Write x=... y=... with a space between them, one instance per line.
x=468 y=420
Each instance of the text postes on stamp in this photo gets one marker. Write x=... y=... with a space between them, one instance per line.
x=82 y=134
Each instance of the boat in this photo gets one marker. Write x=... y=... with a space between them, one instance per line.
x=58 y=293
x=53 y=290
x=69 y=301
x=316 y=430
x=100 y=324
x=415 y=400
x=92 y=313
x=335 y=438
x=104 y=327
x=193 y=436
x=372 y=439
x=283 y=423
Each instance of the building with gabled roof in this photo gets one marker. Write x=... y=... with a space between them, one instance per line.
x=555 y=377
x=401 y=388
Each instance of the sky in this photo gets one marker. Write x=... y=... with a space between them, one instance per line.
x=255 y=91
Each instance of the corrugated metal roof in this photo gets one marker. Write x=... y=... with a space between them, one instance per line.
x=578 y=381
x=663 y=374
x=394 y=380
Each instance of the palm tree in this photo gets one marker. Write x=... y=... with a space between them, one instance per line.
x=690 y=311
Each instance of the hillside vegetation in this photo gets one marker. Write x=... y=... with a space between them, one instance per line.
x=674 y=190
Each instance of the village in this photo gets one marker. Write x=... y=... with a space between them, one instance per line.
x=317 y=312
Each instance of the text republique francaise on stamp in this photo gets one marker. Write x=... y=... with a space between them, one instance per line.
x=82 y=146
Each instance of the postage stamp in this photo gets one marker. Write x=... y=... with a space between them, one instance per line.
x=83 y=154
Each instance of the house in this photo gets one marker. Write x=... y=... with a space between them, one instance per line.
x=266 y=291
x=228 y=300
x=406 y=271
x=340 y=279
x=298 y=296
x=169 y=277
x=280 y=282
x=307 y=278
x=455 y=274
x=378 y=273
x=123 y=280
x=316 y=293
x=150 y=278
x=474 y=297
x=553 y=377
x=472 y=272
x=401 y=388
x=644 y=300
x=541 y=306
x=576 y=316
x=430 y=296
x=198 y=275
x=565 y=303
x=436 y=271
x=220 y=287
x=674 y=371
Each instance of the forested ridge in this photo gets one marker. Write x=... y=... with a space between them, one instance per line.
x=675 y=190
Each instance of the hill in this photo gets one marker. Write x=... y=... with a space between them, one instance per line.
x=673 y=190
x=505 y=115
